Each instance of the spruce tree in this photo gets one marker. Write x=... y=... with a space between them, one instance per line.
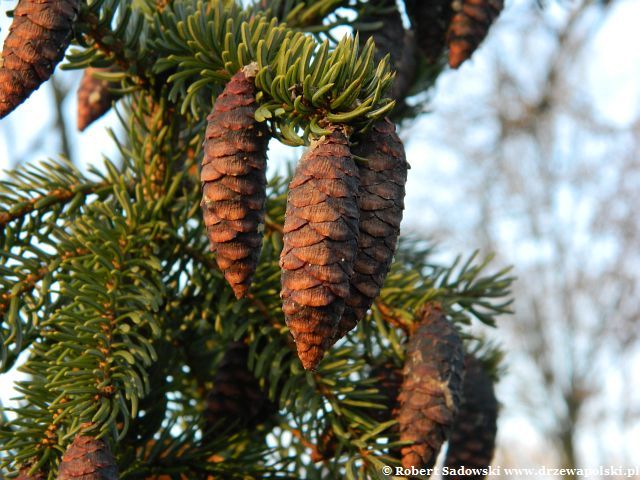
x=182 y=315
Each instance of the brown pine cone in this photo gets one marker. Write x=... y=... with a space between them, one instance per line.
x=94 y=98
x=237 y=398
x=381 y=202
x=392 y=39
x=389 y=381
x=38 y=37
x=234 y=181
x=432 y=388
x=430 y=19
x=320 y=244
x=473 y=436
x=88 y=459
x=469 y=27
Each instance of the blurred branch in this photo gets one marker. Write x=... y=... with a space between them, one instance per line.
x=60 y=93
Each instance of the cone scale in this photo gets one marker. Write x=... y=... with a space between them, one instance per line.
x=380 y=201
x=233 y=179
x=38 y=37
x=320 y=245
x=469 y=26
x=431 y=390
x=473 y=437
x=88 y=459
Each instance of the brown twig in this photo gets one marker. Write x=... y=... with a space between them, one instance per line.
x=32 y=279
x=61 y=195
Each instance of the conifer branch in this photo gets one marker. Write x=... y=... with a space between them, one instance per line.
x=58 y=196
x=108 y=45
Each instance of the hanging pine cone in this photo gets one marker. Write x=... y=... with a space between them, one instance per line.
x=38 y=37
x=431 y=390
x=430 y=19
x=469 y=27
x=320 y=244
x=234 y=181
x=389 y=381
x=473 y=436
x=94 y=98
x=380 y=201
x=392 y=39
x=237 y=398
x=88 y=459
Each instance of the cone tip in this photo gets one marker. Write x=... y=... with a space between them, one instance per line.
x=309 y=356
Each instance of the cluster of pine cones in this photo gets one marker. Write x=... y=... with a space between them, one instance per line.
x=342 y=222
x=444 y=395
x=342 y=218
x=440 y=394
x=42 y=30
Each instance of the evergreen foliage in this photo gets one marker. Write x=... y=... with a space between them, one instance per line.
x=122 y=314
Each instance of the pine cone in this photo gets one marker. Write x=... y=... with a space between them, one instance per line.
x=432 y=387
x=88 y=459
x=469 y=27
x=389 y=381
x=392 y=39
x=381 y=201
x=236 y=397
x=430 y=19
x=38 y=37
x=234 y=181
x=473 y=436
x=320 y=244
x=94 y=98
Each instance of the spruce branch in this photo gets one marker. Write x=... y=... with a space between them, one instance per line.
x=111 y=34
x=302 y=85
x=41 y=188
